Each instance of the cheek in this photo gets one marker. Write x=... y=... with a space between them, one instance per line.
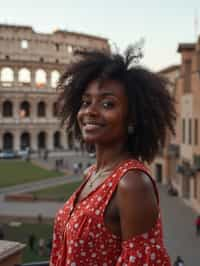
x=78 y=117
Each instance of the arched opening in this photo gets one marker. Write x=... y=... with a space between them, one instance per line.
x=55 y=109
x=56 y=140
x=25 y=140
x=7 y=109
x=42 y=140
x=24 y=76
x=40 y=78
x=41 y=109
x=55 y=75
x=7 y=76
x=24 y=109
x=8 y=141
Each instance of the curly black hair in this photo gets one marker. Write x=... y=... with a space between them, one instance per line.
x=151 y=107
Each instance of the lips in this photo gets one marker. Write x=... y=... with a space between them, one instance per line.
x=91 y=125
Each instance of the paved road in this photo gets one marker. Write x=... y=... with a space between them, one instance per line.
x=179 y=229
x=32 y=209
x=178 y=219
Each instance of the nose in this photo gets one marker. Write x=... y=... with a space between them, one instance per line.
x=92 y=109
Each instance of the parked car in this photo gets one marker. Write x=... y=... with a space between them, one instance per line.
x=22 y=153
x=8 y=155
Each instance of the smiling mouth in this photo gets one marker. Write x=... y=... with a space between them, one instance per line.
x=91 y=125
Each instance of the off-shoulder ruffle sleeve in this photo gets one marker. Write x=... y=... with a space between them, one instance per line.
x=144 y=250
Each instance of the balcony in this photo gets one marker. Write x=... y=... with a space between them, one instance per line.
x=173 y=150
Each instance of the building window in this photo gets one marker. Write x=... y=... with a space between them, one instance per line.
x=7 y=109
x=183 y=130
x=41 y=140
x=55 y=75
x=69 y=49
x=8 y=141
x=24 y=76
x=41 y=109
x=24 y=109
x=24 y=44
x=57 y=47
x=55 y=109
x=40 y=78
x=187 y=76
x=196 y=131
x=190 y=131
x=56 y=140
x=24 y=140
x=7 y=76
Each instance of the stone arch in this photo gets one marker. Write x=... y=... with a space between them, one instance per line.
x=55 y=109
x=7 y=76
x=55 y=75
x=40 y=78
x=24 y=109
x=42 y=139
x=41 y=109
x=25 y=140
x=7 y=109
x=57 y=140
x=8 y=141
x=24 y=75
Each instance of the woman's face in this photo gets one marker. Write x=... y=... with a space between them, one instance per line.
x=102 y=117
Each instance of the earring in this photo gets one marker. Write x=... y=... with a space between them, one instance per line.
x=130 y=129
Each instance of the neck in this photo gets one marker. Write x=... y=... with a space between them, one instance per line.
x=109 y=155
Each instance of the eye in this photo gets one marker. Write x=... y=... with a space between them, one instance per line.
x=108 y=104
x=85 y=103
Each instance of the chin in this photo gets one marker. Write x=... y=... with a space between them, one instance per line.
x=91 y=139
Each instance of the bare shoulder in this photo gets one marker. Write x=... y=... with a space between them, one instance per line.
x=137 y=203
x=136 y=181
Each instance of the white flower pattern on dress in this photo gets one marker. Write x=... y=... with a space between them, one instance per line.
x=80 y=237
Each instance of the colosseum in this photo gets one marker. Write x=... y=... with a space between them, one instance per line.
x=30 y=66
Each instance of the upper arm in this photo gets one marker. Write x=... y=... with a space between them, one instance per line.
x=137 y=203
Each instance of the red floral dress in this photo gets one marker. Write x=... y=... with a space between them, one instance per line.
x=81 y=237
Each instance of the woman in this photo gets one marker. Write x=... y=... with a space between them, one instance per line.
x=123 y=112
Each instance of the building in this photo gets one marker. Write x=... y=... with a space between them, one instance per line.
x=30 y=66
x=164 y=165
x=179 y=163
x=188 y=93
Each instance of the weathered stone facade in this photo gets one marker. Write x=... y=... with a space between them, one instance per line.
x=164 y=165
x=179 y=164
x=30 y=65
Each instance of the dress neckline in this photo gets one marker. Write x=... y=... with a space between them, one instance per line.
x=77 y=202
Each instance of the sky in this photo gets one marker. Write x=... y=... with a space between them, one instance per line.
x=163 y=25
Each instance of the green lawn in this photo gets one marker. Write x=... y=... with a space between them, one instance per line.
x=22 y=233
x=13 y=172
x=58 y=193
x=40 y=230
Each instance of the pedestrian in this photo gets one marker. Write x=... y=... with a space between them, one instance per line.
x=75 y=168
x=46 y=155
x=41 y=247
x=31 y=241
x=2 y=236
x=57 y=165
x=80 y=167
x=197 y=223
x=179 y=261
x=123 y=112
